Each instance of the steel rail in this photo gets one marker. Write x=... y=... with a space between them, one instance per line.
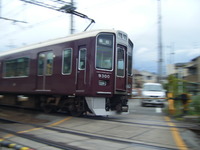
x=84 y=134
x=42 y=140
x=145 y=124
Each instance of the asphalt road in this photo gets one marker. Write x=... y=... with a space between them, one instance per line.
x=135 y=108
x=156 y=115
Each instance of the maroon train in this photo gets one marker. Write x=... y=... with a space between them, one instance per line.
x=90 y=71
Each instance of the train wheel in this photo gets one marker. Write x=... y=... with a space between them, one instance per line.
x=47 y=108
x=74 y=111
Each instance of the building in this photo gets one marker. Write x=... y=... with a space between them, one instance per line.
x=189 y=72
x=149 y=77
x=179 y=70
x=193 y=75
x=141 y=77
x=137 y=79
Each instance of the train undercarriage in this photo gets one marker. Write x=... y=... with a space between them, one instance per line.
x=73 y=105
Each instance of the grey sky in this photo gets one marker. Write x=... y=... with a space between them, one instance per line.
x=180 y=26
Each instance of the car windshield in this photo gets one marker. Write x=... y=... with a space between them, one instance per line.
x=152 y=88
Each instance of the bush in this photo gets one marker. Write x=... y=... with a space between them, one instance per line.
x=195 y=104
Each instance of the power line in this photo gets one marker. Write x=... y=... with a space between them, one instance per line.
x=8 y=19
x=61 y=6
x=16 y=11
x=29 y=26
x=13 y=20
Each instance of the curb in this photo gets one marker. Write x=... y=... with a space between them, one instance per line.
x=188 y=118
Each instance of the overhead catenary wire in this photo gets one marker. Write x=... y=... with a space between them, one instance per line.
x=25 y=28
x=5 y=18
x=31 y=26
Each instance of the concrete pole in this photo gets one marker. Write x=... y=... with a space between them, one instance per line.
x=72 y=19
x=160 y=57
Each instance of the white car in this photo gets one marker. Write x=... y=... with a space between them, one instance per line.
x=135 y=92
x=153 y=94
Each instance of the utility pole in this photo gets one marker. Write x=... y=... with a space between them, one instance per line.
x=160 y=53
x=0 y=8
x=72 y=18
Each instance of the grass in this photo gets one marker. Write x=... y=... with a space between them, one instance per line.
x=195 y=106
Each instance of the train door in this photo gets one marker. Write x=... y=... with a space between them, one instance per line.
x=45 y=70
x=121 y=71
x=81 y=70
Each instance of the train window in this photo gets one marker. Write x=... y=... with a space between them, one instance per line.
x=41 y=61
x=104 y=51
x=120 y=62
x=122 y=36
x=82 y=59
x=49 y=63
x=45 y=63
x=129 y=64
x=16 y=67
x=67 y=61
x=130 y=57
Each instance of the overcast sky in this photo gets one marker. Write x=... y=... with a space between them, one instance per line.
x=180 y=26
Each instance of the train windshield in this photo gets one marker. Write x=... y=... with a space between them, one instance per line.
x=104 y=52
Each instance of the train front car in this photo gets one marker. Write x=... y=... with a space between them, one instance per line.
x=112 y=77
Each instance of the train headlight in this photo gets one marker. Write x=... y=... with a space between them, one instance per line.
x=102 y=82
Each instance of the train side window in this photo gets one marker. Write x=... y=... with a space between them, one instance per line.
x=49 y=63
x=41 y=62
x=67 y=61
x=120 y=62
x=16 y=67
x=22 y=67
x=82 y=59
x=130 y=57
x=45 y=63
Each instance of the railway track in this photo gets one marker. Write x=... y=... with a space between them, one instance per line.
x=90 y=135
x=77 y=133
x=42 y=140
x=190 y=126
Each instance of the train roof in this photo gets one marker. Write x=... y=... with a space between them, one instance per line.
x=57 y=41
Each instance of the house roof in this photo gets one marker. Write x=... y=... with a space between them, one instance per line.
x=194 y=59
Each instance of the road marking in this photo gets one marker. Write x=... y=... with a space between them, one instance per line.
x=176 y=135
x=59 y=122
x=34 y=129
x=158 y=110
